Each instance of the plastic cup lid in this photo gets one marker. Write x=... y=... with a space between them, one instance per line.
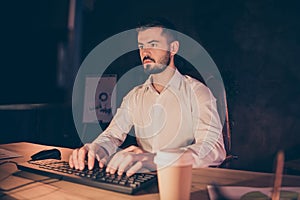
x=173 y=157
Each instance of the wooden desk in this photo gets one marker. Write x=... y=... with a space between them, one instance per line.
x=55 y=189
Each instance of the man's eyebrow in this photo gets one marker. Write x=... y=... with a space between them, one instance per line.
x=152 y=41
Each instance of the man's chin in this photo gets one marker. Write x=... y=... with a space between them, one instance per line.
x=150 y=69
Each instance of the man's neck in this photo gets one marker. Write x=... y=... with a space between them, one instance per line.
x=159 y=81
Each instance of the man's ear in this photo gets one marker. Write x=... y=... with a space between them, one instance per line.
x=174 y=47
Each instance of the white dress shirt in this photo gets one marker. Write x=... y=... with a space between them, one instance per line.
x=183 y=115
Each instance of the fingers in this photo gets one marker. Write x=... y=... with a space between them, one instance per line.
x=71 y=163
x=120 y=162
x=77 y=158
x=100 y=155
x=91 y=160
x=102 y=162
x=115 y=162
x=125 y=162
x=130 y=160
x=81 y=157
x=135 y=168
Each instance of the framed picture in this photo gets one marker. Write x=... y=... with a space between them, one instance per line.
x=99 y=98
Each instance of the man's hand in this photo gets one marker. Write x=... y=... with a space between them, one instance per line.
x=131 y=160
x=93 y=151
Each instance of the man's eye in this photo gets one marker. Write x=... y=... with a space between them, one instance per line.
x=141 y=46
x=153 y=45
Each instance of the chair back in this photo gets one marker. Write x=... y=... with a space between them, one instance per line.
x=218 y=90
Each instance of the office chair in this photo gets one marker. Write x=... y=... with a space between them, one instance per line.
x=218 y=90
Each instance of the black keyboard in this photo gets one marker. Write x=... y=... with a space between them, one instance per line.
x=96 y=177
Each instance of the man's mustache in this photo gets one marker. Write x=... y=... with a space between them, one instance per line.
x=148 y=58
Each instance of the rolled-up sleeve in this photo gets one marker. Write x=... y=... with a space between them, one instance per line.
x=208 y=149
x=115 y=134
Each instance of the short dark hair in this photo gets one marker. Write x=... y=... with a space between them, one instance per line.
x=168 y=28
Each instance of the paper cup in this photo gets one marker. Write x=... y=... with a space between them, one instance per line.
x=174 y=170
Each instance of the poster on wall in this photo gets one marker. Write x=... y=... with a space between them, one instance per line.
x=99 y=98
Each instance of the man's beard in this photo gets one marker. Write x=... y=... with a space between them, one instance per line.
x=155 y=68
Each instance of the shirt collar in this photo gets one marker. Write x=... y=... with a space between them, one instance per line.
x=174 y=82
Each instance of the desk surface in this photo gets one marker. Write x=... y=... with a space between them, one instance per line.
x=54 y=189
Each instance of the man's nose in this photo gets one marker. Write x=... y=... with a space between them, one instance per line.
x=145 y=52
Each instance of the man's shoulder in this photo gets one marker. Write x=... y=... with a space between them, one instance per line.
x=197 y=88
x=192 y=82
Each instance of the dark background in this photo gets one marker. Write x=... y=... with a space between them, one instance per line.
x=255 y=44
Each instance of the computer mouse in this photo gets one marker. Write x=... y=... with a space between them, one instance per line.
x=47 y=154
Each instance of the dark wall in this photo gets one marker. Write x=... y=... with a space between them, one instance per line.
x=255 y=45
x=30 y=34
x=50 y=124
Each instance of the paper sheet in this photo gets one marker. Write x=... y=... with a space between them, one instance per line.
x=235 y=192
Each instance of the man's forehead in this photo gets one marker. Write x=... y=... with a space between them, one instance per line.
x=152 y=33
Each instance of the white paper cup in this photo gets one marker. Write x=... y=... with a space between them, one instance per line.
x=174 y=170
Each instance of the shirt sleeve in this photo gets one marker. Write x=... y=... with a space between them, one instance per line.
x=208 y=149
x=115 y=134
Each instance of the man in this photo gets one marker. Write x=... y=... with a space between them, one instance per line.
x=168 y=111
